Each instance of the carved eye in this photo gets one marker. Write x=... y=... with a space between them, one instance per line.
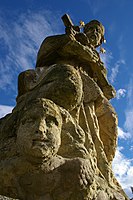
x=51 y=120
x=90 y=29
x=98 y=29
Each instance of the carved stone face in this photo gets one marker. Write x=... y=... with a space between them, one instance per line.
x=94 y=34
x=38 y=135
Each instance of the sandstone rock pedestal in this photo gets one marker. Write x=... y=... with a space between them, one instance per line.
x=61 y=138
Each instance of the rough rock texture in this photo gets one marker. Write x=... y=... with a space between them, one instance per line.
x=6 y=198
x=61 y=138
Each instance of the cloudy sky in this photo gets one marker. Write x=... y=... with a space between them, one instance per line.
x=25 y=23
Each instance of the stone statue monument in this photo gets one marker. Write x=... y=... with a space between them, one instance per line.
x=61 y=138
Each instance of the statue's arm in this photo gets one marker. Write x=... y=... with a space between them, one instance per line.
x=75 y=49
x=58 y=47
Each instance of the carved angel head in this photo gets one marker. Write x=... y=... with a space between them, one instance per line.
x=38 y=134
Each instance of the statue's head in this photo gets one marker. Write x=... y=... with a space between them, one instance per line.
x=38 y=133
x=95 y=32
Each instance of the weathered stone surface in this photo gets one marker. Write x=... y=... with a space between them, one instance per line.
x=65 y=50
x=102 y=196
x=61 y=83
x=61 y=138
x=5 y=198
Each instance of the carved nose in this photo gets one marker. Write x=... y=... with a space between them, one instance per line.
x=40 y=134
x=38 y=131
x=41 y=129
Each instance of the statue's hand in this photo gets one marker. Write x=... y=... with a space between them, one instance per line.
x=70 y=31
x=94 y=55
x=82 y=38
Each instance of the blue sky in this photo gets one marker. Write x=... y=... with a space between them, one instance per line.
x=25 y=23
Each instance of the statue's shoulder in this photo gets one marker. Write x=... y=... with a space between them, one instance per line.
x=49 y=47
x=55 y=38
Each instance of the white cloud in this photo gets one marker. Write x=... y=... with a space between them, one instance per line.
x=115 y=70
x=122 y=134
x=129 y=111
x=20 y=42
x=120 y=93
x=129 y=120
x=130 y=92
x=114 y=73
x=5 y=110
x=131 y=148
x=106 y=58
x=123 y=169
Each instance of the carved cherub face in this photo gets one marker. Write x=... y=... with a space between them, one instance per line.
x=94 y=31
x=38 y=135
